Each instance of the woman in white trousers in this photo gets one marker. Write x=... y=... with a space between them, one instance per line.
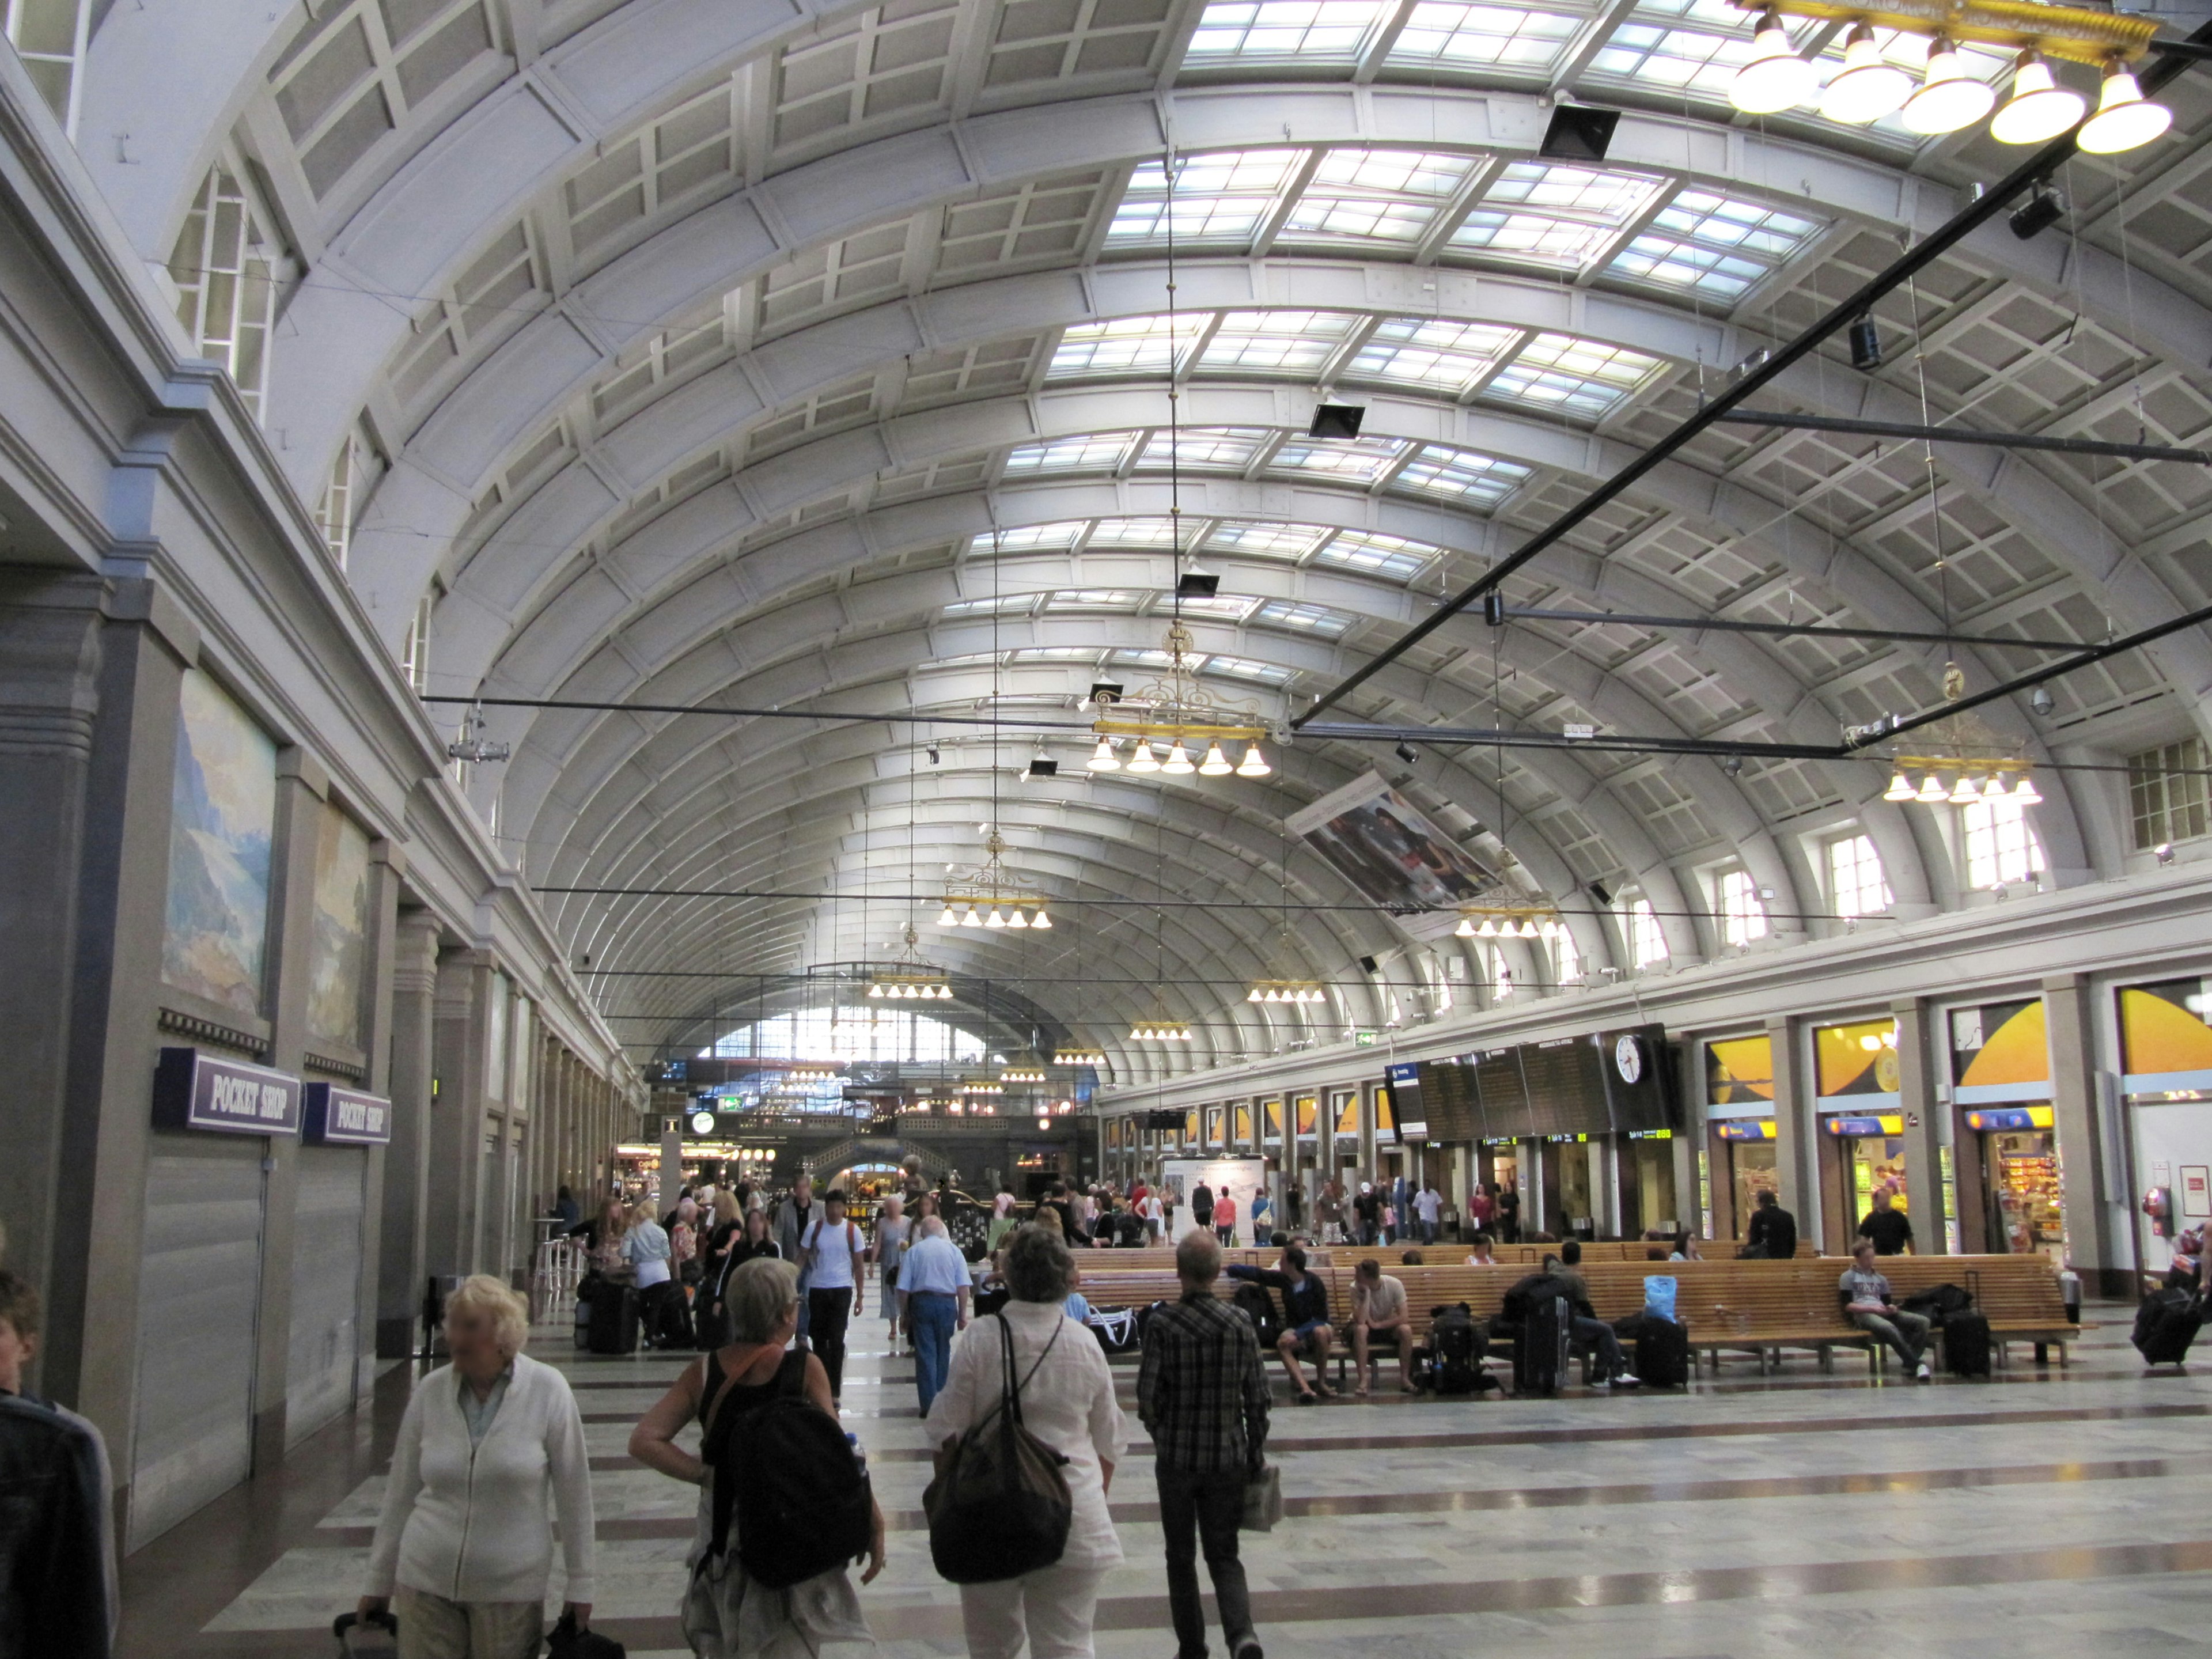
x=1068 y=1402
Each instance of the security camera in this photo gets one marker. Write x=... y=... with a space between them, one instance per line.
x=2041 y=701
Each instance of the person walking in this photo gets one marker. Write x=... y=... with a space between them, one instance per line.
x=936 y=1293
x=1224 y=1218
x=1202 y=1205
x=1772 y=1234
x=1889 y=1228
x=1428 y=1206
x=792 y=1218
x=750 y=1242
x=1202 y=1392
x=893 y=1232
x=1155 y=1215
x=833 y=1254
x=757 y=1366
x=488 y=1444
x=1068 y=1402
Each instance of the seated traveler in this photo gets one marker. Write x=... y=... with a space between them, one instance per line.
x=1305 y=1296
x=1378 y=1310
x=1869 y=1305
x=1593 y=1333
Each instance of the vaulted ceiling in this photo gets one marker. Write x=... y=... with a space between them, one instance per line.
x=681 y=354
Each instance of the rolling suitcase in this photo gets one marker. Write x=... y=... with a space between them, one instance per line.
x=1966 y=1344
x=2165 y=1324
x=1662 y=1352
x=614 y=1320
x=1540 y=1348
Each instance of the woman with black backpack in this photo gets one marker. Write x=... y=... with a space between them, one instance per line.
x=784 y=1498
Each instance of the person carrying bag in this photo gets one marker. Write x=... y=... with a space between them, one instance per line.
x=998 y=1504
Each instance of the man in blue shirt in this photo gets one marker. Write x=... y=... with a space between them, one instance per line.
x=935 y=1291
x=1305 y=1296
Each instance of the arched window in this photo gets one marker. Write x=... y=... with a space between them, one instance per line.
x=879 y=1036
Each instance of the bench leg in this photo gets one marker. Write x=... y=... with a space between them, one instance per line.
x=2043 y=1353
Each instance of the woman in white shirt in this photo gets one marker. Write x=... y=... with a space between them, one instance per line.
x=1068 y=1402
x=652 y=1256
x=462 y=1536
x=893 y=1230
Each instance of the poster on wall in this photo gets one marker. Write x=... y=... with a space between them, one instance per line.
x=1347 y=1115
x=2165 y=1040
x=1740 y=1076
x=1190 y=1128
x=1213 y=1127
x=1241 y=1123
x=223 y=815
x=1307 y=1116
x=1856 y=1065
x=1271 y=1121
x=1387 y=847
x=1239 y=1177
x=1998 y=1054
x=339 y=956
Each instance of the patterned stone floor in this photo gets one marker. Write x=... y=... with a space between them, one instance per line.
x=2048 y=1510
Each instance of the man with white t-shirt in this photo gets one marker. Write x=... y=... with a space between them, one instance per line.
x=831 y=1249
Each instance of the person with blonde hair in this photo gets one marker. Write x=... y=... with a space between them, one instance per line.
x=463 y=1543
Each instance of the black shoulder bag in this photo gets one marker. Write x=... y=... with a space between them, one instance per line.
x=998 y=1504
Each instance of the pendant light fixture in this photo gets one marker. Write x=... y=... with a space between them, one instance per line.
x=2126 y=119
x=1102 y=758
x=989 y=895
x=1774 y=78
x=1950 y=98
x=1868 y=85
x=2039 y=109
x=1216 y=763
x=1900 y=787
x=1143 y=759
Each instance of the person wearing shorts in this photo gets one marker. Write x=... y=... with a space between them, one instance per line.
x=1305 y=1298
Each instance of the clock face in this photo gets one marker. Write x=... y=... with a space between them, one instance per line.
x=702 y=1123
x=1628 y=1059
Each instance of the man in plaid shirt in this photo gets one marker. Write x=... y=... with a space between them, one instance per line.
x=1202 y=1392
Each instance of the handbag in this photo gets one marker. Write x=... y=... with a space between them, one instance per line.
x=565 y=1641
x=998 y=1502
x=1263 y=1500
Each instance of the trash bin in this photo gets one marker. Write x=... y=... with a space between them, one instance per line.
x=2070 y=1291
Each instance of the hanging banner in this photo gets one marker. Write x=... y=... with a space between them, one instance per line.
x=1856 y=1065
x=1387 y=847
x=2165 y=1042
x=1998 y=1052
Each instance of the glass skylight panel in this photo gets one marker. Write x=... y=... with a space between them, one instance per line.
x=1220 y=448
x=1447 y=357
x=1138 y=532
x=1221 y=607
x=1378 y=555
x=1454 y=36
x=1232 y=31
x=1677 y=59
x=1376 y=195
x=1305 y=619
x=1122 y=345
x=1276 y=341
x=1713 y=244
x=1265 y=541
x=1358 y=461
x=1061 y=534
x=1551 y=214
x=1002 y=605
x=1460 y=474
x=1218 y=197
x=1580 y=378
x=1093 y=599
x=1102 y=452
x=1248 y=668
x=1134 y=658
x=1032 y=653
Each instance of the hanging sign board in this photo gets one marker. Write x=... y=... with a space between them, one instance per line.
x=193 y=1089
x=344 y=1117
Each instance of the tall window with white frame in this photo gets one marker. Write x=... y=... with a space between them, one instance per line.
x=225 y=273
x=50 y=37
x=414 y=660
x=1566 y=957
x=1857 y=885
x=2168 y=797
x=1742 y=911
x=1647 y=940
x=2002 y=847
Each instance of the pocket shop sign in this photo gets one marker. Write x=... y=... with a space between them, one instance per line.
x=197 y=1090
x=345 y=1117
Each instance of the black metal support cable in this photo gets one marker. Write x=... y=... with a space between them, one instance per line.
x=1785 y=630
x=1923 y=254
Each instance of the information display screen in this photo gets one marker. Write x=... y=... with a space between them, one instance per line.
x=1407 y=1103
x=1502 y=1093
x=1566 y=1088
x=1448 y=1092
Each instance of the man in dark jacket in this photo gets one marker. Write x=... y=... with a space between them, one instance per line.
x=1201 y=1204
x=1305 y=1302
x=1772 y=1233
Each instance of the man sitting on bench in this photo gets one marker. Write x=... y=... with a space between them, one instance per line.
x=1598 y=1339
x=1306 y=1298
x=1378 y=1310
x=1869 y=1305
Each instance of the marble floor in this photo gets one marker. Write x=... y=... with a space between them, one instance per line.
x=2046 y=1510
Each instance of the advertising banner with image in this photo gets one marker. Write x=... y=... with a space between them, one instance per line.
x=1239 y=1177
x=1388 y=849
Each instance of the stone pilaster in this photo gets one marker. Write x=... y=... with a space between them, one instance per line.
x=409 y=1082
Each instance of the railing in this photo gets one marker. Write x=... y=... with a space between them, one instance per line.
x=554 y=1272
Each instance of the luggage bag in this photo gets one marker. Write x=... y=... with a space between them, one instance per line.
x=613 y=1327
x=2165 y=1324
x=1540 y=1347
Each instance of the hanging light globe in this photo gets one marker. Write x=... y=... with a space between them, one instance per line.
x=1868 y=85
x=1774 y=78
x=1900 y=787
x=1102 y=758
x=1142 y=759
x=2039 y=109
x=1950 y=98
x=2126 y=119
x=1177 y=763
x=1216 y=763
x=1254 y=765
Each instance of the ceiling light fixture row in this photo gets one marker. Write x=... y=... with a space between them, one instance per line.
x=1079 y=1057
x=910 y=979
x=981 y=1085
x=1975 y=780
x=1538 y=921
x=810 y=1074
x=1176 y=711
x=1948 y=96
x=1160 y=1030
x=1022 y=1074
x=1286 y=990
x=988 y=895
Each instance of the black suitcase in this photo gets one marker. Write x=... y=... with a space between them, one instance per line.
x=667 y=1315
x=614 y=1320
x=2165 y=1324
x=1966 y=1344
x=1540 y=1347
x=1662 y=1352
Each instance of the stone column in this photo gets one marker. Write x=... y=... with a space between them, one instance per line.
x=1916 y=1086
x=451 y=1231
x=1797 y=1185
x=2077 y=1124
x=409 y=1082
x=387 y=868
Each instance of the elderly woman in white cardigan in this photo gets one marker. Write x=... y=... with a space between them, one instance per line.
x=463 y=1535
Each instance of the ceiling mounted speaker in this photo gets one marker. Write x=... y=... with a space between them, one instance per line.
x=1579 y=133
x=1336 y=421
x=1368 y=964
x=1197 y=585
x=1041 y=768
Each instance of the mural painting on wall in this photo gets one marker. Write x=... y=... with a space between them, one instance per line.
x=1271 y=1117
x=2165 y=1037
x=1859 y=1058
x=1307 y=1115
x=1241 y=1122
x=340 y=952
x=223 y=815
x=1739 y=1070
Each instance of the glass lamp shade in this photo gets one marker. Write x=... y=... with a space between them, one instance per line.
x=1253 y=995
x=1488 y=930
x=875 y=990
x=1042 y=920
x=1144 y=760
x=1102 y=758
x=1948 y=97
x=1868 y=87
x=948 y=917
x=1774 y=77
x=1017 y=918
x=1932 y=790
x=2039 y=108
x=1966 y=794
x=1216 y=763
x=974 y=918
x=2027 y=794
x=1178 y=760
x=1254 y=765
x=1528 y=927
x=994 y=920
x=1465 y=928
x=2124 y=118
x=1900 y=787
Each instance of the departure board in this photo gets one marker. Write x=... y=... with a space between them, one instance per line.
x=1448 y=1093
x=1408 y=1107
x=1566 y=1087
x=1503 y=1095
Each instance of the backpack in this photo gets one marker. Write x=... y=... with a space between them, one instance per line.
x=998 y=1503
x=1938 y=1303
x=787 y=1475
x=1456 y=1349
x=1256 y=1305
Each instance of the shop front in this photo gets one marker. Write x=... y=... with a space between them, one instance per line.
x=2008 y=1153
x=2165 y=1085
x=1743 y=1150
x=1739 y=1149
x=1861 y=1149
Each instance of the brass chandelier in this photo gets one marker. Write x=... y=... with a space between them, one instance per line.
x=1508 y=921
x=1176 y=710
x=1980 y=765
x=1079 y=1056
x=989 y=895
x=910 y=979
